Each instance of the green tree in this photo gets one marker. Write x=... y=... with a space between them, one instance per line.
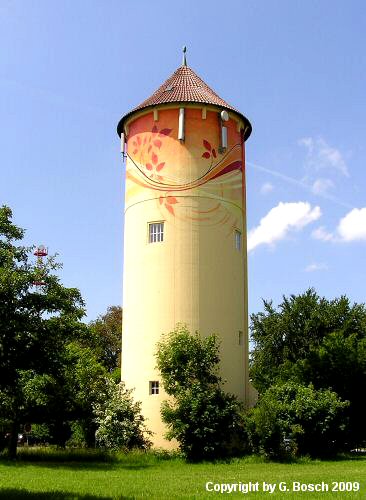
x=312 y=340
x=292 y=419
x=339 y=363
x=84 y=383
x=200 y=416
x=105 y=334
x=34 y=326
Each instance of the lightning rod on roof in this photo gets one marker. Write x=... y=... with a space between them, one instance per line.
x=184 y=62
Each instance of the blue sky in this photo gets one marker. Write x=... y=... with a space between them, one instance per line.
x=69 y=70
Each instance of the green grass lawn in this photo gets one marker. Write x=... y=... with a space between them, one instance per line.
x=137 y=475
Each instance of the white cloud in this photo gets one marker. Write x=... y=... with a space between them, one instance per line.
x=280 y=220
x=308 y=143
x=321 y=234
x=266 y=188
x=320 y=155
x=321 y=186
x=316 y=266
x=352 y=227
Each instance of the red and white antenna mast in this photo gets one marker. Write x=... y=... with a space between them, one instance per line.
x=40 y=252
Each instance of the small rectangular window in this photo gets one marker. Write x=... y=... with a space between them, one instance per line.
x=241 y=338
x=154 y=387
x=237 y=240
x=156 y=232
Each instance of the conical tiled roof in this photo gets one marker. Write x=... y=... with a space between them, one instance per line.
x=184 y=86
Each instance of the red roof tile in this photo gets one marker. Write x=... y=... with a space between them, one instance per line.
x=184 y=86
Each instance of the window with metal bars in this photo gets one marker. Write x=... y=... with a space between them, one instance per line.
x=156 y=232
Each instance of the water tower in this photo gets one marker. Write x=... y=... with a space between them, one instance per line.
x=185 y=255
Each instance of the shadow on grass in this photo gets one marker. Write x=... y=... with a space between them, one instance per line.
x=82 y=460
x=60 y=455
x=300 y=460
x=87 y=459
x=80 y=466
x=309 y=460
x=347 y=456
x=15 y=494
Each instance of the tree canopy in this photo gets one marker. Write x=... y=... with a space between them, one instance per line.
x=105 y=335
x=34 y=325
x=311 y=340
x=55 y=370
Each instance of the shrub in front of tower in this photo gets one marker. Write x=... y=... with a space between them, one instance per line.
x=203 y=418
x=292 y=419
x=119 y=420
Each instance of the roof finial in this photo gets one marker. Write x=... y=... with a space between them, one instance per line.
x=184 y=62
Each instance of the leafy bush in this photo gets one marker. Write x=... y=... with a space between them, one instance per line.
x=204 y=421
x=40 y=433
x=293 y=419
x=201 y=416
x=119 y=420
x=78 y=438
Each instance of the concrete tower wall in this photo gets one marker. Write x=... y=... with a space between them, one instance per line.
x=197 y=274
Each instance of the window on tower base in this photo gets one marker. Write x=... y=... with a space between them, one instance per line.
x=156 y=232
x=153 y=387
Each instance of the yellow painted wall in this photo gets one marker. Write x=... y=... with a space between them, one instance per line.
x=196 y=275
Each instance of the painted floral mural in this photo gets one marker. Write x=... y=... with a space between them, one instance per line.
x=190 y=180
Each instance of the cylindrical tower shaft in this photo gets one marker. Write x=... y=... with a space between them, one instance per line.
x=185 y=235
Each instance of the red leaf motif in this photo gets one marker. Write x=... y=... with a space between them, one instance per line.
x=149 y=148
x=154 y=129
x=154 y=158
x=206 y=155
x=207 y=145
x=157 y=143
x=165 y=131
x=149 y=166
x=169 y=208
x=214 y=153
x=145 y=140
x=149 y=139
x=138 y=140
x=161 y=200
x=171 y=199
x=135 y=151
x=160 y=166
